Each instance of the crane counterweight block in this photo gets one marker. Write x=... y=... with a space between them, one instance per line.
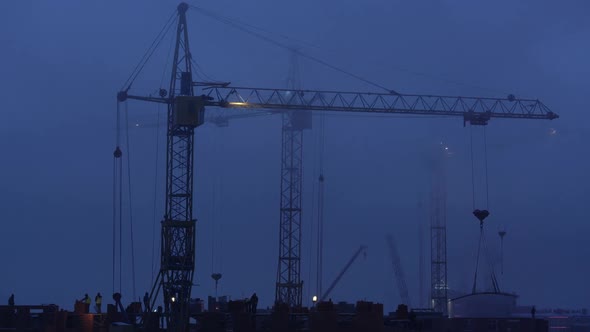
x=189 y=111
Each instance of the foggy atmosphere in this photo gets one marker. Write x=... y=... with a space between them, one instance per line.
x=77 y=220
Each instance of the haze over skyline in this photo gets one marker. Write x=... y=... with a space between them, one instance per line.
x=63 y=63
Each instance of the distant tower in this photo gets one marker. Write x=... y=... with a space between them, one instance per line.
x=502 y=233
x=438 y=232
x=421 y=267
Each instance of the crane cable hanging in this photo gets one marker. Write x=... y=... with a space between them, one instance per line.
x=320 y=222
x=150 y=51
x=130 y=202
x=156 y=168
x=118 y=203
x=314 y=208
x=216 y=212
x=244 y=28
x=154 y=217
x=117 y=199
x=481 y=215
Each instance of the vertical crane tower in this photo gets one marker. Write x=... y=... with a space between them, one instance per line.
x=289 y=286
x=177 y=257
x=185 y=111
x=438 y=234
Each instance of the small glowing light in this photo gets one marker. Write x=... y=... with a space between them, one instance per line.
x=552 y=131
x=155 y=310
x=237 y=103
x=446 y=147
x=137 y=124
x=314 y=298
x=173 y=299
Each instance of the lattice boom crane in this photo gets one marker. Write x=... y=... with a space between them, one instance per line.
x=186 y=109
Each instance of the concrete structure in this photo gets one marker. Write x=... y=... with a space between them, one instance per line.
x=482 y=305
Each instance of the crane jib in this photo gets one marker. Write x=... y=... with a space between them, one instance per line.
x=474 y=110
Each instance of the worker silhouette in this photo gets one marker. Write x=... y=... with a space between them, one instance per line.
x=253 y=303
x=11 y=300
x=98 y=301
x=146 y=302
x=86 y=300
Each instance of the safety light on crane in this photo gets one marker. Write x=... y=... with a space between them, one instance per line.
x=238 y=103
x=314 y=299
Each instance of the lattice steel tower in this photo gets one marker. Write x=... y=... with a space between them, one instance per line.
x=185 y=113
x=438 y=233
x=289 y=285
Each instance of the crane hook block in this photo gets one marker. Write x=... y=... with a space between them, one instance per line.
x=481 y=214
x=117 y=153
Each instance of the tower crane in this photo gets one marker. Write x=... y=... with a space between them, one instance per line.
x=361 y=249
x=438 y=233
x=398 y=270
x=185 y=111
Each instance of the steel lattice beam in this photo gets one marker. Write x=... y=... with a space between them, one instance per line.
x=289 y=286
x=398 y=270
x=438 y=237
x=177 y=263
x=472 y=109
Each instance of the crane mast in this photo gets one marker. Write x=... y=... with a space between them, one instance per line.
x=398 y=271
x=289 y=287
x=438 y=236
x=177 y=257
x=186 y=112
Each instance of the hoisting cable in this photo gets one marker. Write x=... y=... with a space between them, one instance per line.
x=320 y=223
x=213 y=214
x=481 y=215
x=235 y=22
x=236 y=25
x=472 y=166
x=155 y=192
x=116 y=180
x=149 y=52
x=199 y=70
x=485 y=149
x=492 y=266
x=156 y=164
x=114 y=215
x=314 y=209
x=477 y=258
x=130 y=202
x=120 y=224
